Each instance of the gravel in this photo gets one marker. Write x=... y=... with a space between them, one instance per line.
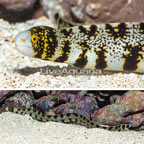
x=12 y=63
x=16 y=129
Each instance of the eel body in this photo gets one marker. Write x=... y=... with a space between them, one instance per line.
x=67 y=118
x=109 y=47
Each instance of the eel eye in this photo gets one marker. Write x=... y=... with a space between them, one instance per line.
x=34 y=38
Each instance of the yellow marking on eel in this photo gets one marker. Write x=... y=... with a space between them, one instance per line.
x=50 y=39
x=116 y=29
x=13 y=41
x=44 y=53
x=23 y=40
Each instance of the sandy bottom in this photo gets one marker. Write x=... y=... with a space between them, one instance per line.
x=16 y=129
x=11 y=63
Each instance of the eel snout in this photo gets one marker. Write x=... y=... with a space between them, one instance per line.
x=23 y=43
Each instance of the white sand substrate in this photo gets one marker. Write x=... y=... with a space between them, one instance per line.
x=11 y=61
x=17 y=129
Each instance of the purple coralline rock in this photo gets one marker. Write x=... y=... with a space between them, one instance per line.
x=66 y=102
x=124 y=108
x=75 y=103
x=21 y=99
x=128 y=108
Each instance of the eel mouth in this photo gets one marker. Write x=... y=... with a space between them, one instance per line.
x=28 y=51
x=23 y=43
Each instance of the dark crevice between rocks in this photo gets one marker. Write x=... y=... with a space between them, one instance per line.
x=38 y=94
x=133 y=113
x=106 y=98
x=7 y=95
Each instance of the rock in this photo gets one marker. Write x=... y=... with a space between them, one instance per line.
x=83 y=11
x=17 y=4
x=21 y=99
x=19 y=10
x=126 y=108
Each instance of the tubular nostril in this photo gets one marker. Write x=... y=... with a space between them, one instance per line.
x=23 y=40
x=13 y=41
